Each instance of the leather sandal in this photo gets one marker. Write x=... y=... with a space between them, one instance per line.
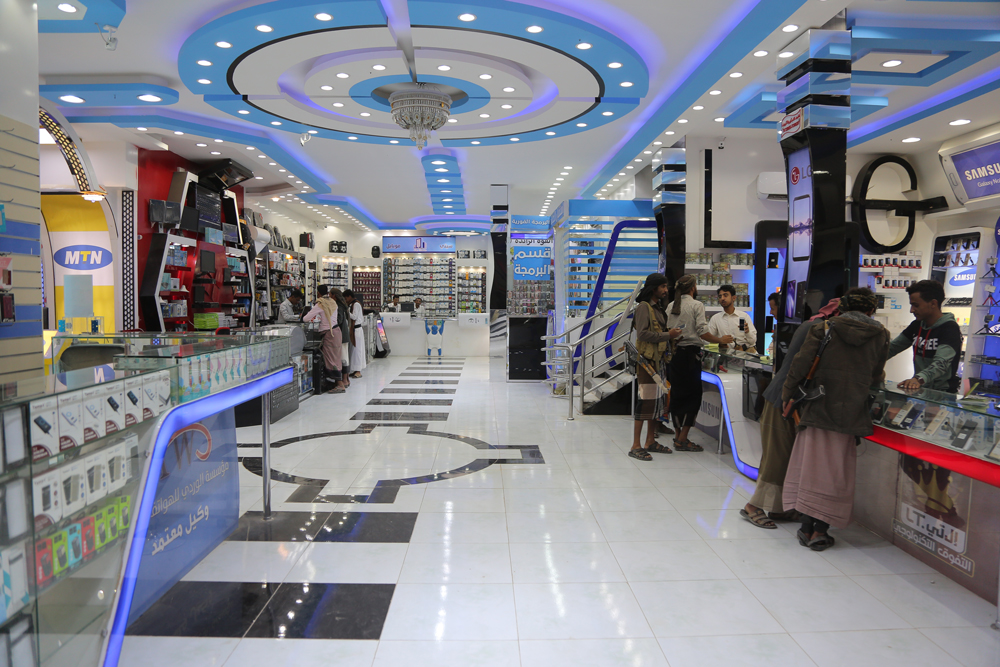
x=758 y=518
x=640 y=454
x=687 y=446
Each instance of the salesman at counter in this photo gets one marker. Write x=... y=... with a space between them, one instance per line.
x=935 y=337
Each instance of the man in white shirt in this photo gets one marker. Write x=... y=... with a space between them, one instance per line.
x=732 y=322
x=394 y=306
x=418 y=308
x=286 y=311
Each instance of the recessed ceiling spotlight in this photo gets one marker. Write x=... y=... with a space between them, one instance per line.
x=514 y=139
x=365 y=114
x=560 y=179
x=393 y=141
x=467 y=17
x=216 y=153
x=66 y=7
x=223 y=45
x=567 y=167
x=786 y=54
x=647 y=152
x=697 y=107
x=581 y=125
x=614 y=65
x=476 y=143
x=485 y=77
x=615 y=180
x=352 y=138
x=960 y=121
x=437 y=162
x=715 y=92
x=441 y=169
x=273 y=164
x=443 y=68
x=264 y=28
x=343 y=75
x=444 y=180
x=508 y=89
x=452 y=120
x=638 y=159
x=630 y=167
x=550 y=134
x=682 y=121
x=323 y=16
x=484 y=115
x=338 y=104
x=447 y=200
x=326 y=87
x=608 y=113
x=657 y=143
x=378 y=68
x=201 y=145
x=506 y=106
x=622 y=173
x=251 y=148
x=313 y=131
x=259 y=178
x=735 y=75
x=275 y=122
x=534 y=29
x=150 y=98
x=625 y=84
x=262 y=156
x=892 y=63
x=205 y=63
x=178 y=133
x=244 y=112
x=218 y=141
x=911 y=140
x=583 y=46
x=141 y=129
x=791 y=27
x=760 y=54
x=204 y=82
x=720 y=119
x=282 y=170
x=564 y=173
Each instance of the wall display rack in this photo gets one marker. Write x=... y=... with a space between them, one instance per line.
x=287 y=272
x=431 y=277
x=734 y=269
x=262 y=294
x=471 y=289
x=366 y=281
x=336 y=271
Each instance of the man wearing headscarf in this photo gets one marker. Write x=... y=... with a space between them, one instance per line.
x=325 y=311
x=777 y=435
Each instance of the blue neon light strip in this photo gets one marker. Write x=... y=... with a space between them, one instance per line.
x=744 y=468
x=177 y=418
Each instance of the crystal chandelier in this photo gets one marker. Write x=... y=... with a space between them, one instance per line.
x=420 y=108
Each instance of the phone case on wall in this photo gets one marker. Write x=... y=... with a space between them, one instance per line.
x=43 y=561
x=60 y=553
x=88 y=536
x=74 y=544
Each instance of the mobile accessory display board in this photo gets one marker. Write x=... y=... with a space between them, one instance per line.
x=287 y=271
x=129 y=472
x=427 y=276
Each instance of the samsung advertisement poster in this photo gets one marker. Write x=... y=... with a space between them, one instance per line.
x=800 y=234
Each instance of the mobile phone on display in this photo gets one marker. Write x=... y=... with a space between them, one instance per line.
x=935 y=424
x=912 y=418
x=963 y=438
x=903 y=412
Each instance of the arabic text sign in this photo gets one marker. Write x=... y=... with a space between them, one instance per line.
x=196 y=506
x=417 y=244
x=531 y=259
x=529 y=223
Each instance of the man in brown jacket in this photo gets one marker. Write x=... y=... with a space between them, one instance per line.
x=821 y=472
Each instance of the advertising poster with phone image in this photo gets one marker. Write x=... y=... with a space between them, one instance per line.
x=800 y=233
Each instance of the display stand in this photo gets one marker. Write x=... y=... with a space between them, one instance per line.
x=335 y=271
x=366 y=281
x=287 y=272
x=430 y=276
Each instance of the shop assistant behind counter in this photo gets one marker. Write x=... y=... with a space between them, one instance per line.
x=935 y=337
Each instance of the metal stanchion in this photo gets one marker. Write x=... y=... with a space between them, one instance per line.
x=265 y=450
x=569 y=387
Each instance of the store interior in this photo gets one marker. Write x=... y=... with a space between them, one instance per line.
x=493 y=180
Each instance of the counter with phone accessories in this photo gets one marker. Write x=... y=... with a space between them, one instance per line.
x=115 y=481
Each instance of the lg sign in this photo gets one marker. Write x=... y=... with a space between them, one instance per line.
x=84 y=257
x=796 y=174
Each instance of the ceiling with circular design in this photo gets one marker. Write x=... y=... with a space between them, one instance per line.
x=554 y=98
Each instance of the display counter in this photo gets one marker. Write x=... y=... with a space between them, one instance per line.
x=117 y=479
x=466 y=335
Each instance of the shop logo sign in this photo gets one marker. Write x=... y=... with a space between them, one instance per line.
x=963 y=278
x=796 y=175
x=790 y=124
x=84 y=257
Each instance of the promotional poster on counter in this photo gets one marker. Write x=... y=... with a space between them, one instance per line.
x=196 y=507
x=800 y=233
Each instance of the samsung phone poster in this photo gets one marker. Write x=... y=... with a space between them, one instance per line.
x=196 y=507
x=800 y=233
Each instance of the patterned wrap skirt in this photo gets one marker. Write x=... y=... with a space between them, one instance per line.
x=651 y=400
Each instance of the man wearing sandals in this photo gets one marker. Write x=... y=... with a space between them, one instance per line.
x=821 y=472
x=777 y=436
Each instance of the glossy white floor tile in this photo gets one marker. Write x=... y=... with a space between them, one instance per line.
x=588 y=559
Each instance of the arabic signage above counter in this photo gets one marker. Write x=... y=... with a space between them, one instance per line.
x=418 y=244
x=530 y=224
x=531 y=259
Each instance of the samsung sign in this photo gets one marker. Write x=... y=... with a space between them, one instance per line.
x=963 y=278
x=979 y=170
x=83 y=257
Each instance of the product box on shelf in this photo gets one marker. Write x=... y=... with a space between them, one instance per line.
x=74 y=544
x=163 y=390
x=43 y=561
x=117 y=466
x=88 y=535
x=123 y=508
x=60 y=553
x=14 y=562
x=94 y=421
x=150 y=396
x=95 y=467
x=15 y=519
x=70 y=420
x=15 y=438
x=74 y=487
x=133 y=400
x=133 y=466
x=44 y=428
x=47 y=492
x=109 y=516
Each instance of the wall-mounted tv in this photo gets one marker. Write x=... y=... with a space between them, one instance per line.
x=972 y=165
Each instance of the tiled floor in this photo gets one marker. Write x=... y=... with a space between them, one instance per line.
x=563 y=551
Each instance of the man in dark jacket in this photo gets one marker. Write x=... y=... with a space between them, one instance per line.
x=820 y=478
